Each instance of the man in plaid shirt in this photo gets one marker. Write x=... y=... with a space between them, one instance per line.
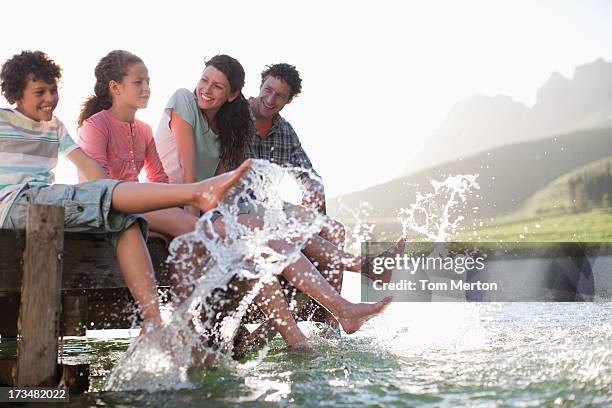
x=276 y=141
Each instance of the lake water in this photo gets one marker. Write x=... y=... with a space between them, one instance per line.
x=427 y=354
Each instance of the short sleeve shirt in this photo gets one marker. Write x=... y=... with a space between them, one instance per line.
x=185 y=104
x=28 y=153
x=122 y=149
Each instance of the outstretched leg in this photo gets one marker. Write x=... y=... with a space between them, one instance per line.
x=132 y=253
x=332 y=259
x=134 y=197
x=171 y=221
x=190 y=263
x=304 y=276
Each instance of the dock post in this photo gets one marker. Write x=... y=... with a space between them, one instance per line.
x=40 y=309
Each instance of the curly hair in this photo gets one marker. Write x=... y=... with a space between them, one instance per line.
x=233 y=119
x=287 y=73
x=112 y=67
x=17 y=70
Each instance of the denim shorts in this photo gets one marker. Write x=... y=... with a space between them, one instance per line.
x=87 y=208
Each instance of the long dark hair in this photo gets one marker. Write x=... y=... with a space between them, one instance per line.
x=112 y=67
x=233 y=118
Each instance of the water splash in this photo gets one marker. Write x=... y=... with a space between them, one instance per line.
x=362 y=229
x=437 y=214
x=209 y=263
x=200 y=328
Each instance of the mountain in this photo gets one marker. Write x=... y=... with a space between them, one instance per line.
x=480 y=123
x=508 y=176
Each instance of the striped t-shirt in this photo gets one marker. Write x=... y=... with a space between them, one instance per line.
x=28 y=153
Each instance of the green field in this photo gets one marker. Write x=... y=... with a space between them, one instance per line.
x=592 y=226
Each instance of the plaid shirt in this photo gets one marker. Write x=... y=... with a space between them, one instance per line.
x=282 y=146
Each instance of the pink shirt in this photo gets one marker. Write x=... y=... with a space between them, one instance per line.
x=121 y=148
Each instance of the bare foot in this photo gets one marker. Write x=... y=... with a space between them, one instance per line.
x=360 y=313
x=211 y=191
x=384 y=276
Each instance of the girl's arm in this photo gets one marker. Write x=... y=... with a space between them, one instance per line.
x=153 y=165
x=95 y=146
x=86 y=165
x=185 y=146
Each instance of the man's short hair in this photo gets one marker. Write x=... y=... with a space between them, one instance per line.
x=17 y=70
x=287 y=73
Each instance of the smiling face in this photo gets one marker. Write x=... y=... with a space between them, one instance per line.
x=38 y=100
x=273 y=96
x=133 y=91
x=213 y=91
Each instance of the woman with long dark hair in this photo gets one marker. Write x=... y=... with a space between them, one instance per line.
x=204 y=133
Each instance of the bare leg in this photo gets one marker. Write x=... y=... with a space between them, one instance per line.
x=270 y=299
x=272 y=303
x=303 y=275
x=334 y=233
x=134 y=197
x=171 y=221
x=328 y=256
x=332 y=259
x=135 y=264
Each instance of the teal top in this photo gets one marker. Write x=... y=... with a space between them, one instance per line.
x=185 y=104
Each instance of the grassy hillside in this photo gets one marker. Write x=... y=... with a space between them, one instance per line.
x=591 y=226
x=585 y=188
x=508 y=176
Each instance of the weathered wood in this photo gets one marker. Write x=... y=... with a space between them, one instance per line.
x=7 y=369
x=89 y=261
x=9 y=305
x=75 y=377
x=40 y=308
x=74 y=315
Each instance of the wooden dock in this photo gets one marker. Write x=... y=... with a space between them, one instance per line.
x=55 y=284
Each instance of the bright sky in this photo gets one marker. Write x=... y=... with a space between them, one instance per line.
x=378 y=76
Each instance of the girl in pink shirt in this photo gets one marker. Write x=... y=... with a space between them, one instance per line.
x=120 y=143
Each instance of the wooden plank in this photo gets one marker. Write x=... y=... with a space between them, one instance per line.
x=12 y=245
x=40 y=308
x=74 y=315
x=7 y=370
x=9 y=305
x=89 y=261
x=75 y=377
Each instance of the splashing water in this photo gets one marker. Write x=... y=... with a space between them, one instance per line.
x=362 y=229
x=208 y=261
x=424 y=326
x=435 y=214
x=445 y=354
